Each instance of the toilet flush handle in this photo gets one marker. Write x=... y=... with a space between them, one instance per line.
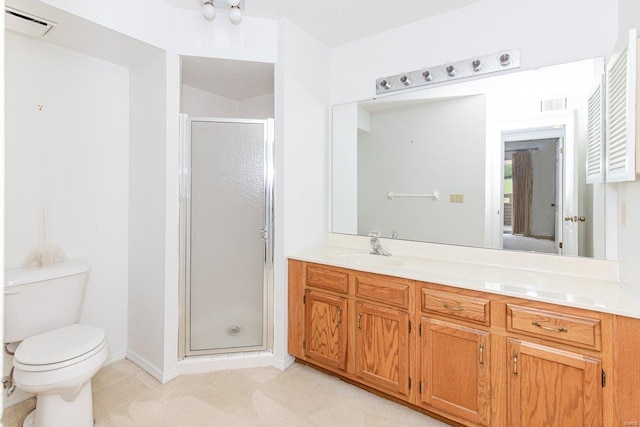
x=12 y=291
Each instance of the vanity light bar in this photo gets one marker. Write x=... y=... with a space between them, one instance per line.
x=504 y=60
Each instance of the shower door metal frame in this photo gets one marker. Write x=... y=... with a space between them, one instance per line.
x=185 y=237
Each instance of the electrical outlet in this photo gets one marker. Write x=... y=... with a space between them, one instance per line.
x=456 y=198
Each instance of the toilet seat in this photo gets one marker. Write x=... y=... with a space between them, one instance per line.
x=59 y=348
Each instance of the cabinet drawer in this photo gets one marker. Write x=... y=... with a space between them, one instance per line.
x=456 y=306
x=384 y=290
x=554 y=326
x=325 y=278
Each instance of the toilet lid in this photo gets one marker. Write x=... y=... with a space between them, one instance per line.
x=59 y=345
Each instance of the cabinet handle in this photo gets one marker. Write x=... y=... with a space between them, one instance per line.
x=515 y=363
x=359 y=316
x=339 y=315
x=549 y=328
x=452 y=307
x=482 y=354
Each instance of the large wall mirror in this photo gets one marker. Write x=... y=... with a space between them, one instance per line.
x=497 y=162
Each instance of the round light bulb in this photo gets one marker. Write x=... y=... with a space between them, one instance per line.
x=233 y=3
x=208 y=10
x=235 y=15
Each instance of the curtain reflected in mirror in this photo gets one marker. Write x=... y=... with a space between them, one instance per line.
x=522 y=192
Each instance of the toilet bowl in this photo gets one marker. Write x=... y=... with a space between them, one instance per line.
x=58 y=366
x=56 y=357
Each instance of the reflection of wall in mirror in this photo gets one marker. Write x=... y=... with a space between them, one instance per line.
x=417 y=149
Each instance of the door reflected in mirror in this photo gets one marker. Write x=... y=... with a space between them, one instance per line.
x=460 y=142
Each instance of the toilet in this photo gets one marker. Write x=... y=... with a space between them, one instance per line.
x=55 y=357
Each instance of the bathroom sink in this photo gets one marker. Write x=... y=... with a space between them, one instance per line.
x=369 y=260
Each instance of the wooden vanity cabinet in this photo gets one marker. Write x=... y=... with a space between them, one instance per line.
x=552 y=387
x=455 y=356
x=474 y=358
x=382 y=332
x=555 y=372
x=382 y=347
x=325 y=329
x=455 y=370
x=353 y=323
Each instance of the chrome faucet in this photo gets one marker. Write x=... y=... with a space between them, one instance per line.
x=375 y=244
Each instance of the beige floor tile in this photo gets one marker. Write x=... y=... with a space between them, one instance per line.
x=126 y=396
x=13 y=416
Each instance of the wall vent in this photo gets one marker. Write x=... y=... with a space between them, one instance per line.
x=26 y=23
x=553 y=104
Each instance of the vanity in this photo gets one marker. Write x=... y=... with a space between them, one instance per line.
x=453 y=181
x=470 y=343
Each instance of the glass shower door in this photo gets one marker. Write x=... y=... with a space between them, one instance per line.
x=228 y=248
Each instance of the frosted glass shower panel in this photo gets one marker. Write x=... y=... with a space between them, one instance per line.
x=227 y=252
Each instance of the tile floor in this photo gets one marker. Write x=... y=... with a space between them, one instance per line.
x=125 y=395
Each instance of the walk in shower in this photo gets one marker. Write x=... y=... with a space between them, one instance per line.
x=226 y=234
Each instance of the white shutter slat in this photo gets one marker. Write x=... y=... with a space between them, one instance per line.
x=620 y=141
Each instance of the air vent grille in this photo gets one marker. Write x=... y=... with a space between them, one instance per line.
x=553 y=104
x=26 y=23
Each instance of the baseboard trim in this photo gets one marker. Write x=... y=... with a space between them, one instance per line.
x=283 y=364
x=113 y=358
x=17 y=397
x=150 y=368
x=222 y=362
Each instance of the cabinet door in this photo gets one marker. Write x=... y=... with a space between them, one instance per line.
x=621 y=112
x=455 y=370
x=552 y=388
x=325 y=330
x=382 y=347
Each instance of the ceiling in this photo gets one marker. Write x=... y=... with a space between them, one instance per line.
x=333 y=22
x=232 y=79
x=336 y=22
x=89 y=38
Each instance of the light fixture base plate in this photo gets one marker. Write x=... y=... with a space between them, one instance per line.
x=223 y=4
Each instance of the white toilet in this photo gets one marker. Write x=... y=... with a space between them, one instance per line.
x=57 y=357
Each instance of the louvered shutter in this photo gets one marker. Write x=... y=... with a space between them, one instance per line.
x=595 y=136
x=621 y=114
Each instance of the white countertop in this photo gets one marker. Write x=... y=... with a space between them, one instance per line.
x=592 y=293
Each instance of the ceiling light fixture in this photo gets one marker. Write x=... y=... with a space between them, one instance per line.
x=235 y=8
x=502 y=61
x=235 y=15
x=208 y=10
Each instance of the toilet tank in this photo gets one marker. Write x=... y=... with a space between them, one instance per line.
x=41 y=299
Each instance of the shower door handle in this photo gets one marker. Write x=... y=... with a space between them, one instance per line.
x=264 y=234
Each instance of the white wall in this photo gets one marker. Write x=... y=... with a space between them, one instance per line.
x=301 y=157
x=147 y=153
x=72 y=157
x=628 y=212
x=254 y=40
x=200 y=103
x=436 y=146
x=150 y=21
x=547 y=32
